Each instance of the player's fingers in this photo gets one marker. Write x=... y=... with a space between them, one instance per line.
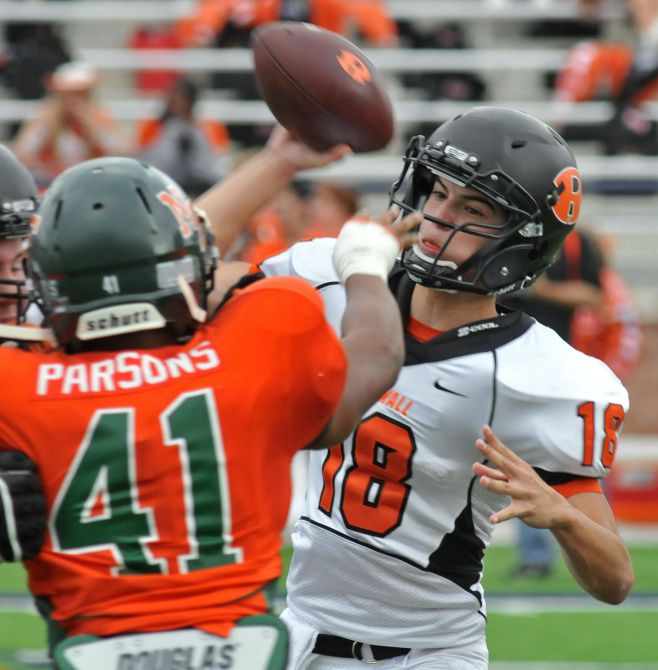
x=339 y=151
x=407 y=240
x=403 y=228
x=406 y=228
x=490 y=453
x=509 y=512
x=390 y=216
x=482 y=470
x=411 y=221
x=494 y=453
x=491 y=439
x=501 y=486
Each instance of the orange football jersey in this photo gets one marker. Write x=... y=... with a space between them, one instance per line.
x=167 y=471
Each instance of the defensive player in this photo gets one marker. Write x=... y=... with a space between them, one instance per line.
x=388 y=555
x=169 y=484
x=22 y=521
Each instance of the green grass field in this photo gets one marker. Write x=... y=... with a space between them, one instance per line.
x=607 y=637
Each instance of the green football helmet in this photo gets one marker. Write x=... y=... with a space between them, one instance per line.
x=118 y=248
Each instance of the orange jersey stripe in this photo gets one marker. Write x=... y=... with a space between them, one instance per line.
x=579 y=485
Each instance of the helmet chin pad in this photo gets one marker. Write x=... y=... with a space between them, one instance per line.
x=427 y=270
x=438 y=262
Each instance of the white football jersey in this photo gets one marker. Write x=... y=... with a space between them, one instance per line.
x=389 y=548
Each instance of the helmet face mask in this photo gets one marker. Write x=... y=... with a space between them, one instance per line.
x=118 y=248
x=518 y=163
x=13 y=291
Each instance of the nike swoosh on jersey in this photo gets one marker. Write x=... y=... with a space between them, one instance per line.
x=437 y=385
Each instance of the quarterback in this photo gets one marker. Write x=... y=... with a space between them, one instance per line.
x=388 y=555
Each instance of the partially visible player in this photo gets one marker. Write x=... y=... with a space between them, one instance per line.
x=22 y=521
x=169 y=484
x=18 y=203
x=388 y=556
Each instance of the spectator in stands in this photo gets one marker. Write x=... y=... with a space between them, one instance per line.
x=612 y=332
x=614 y=72
x=144 y=37
x=643 y=15
x=299 y=212
x=329 y=206
x=69 y=127
x=368 y=19
x=574 y=280
x=193 y=150
x=276 y=227
x=627 y=75
x=229 y=22
x=224 y=23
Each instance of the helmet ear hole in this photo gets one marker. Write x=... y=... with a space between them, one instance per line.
x=144 y=199
x=58 y=215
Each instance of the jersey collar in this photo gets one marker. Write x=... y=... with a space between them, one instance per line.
x=470 y=338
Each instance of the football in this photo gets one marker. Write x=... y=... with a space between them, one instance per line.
x=321 y=87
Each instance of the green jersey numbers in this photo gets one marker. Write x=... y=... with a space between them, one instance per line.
x=191 y=423
x=98 y=505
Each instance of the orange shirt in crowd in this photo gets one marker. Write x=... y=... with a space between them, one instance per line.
x=215 y=133
x=211 y=16
x=593 y=68
x=370 y=18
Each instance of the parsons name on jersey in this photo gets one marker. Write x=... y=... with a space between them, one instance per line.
x=122 y=371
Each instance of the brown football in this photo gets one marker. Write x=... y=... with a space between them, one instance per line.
x=320 y=87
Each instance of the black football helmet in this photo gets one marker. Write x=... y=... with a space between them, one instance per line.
x=520 y=163
x=18 y=203
x=117 y=248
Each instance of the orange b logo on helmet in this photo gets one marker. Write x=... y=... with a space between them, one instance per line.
x=180 y=207
x=354 y=67
x=569 y=194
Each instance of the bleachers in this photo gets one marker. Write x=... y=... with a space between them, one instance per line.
x=503 y=53
x=511 y=66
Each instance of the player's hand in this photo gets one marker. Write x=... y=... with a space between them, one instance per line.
x=299 y=155
x=533 y=501
x=22 y=507
x=404 y=228
x=366 y=246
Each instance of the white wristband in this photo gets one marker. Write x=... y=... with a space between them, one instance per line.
x=364 y=248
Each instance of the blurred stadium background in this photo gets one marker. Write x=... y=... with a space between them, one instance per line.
x=491 y=51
